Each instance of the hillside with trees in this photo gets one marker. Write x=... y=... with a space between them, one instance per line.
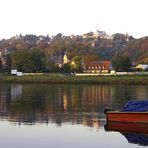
x=31 y=53
x=137 y=50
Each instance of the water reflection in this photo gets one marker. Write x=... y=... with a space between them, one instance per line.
x=59 y=104
x=135 y=138
x=136 y=133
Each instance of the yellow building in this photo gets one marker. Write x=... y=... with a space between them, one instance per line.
x=65 y=59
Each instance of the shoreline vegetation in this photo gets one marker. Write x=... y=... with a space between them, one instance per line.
x=70 y=79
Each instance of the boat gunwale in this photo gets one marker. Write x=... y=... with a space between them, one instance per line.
x=123 y=112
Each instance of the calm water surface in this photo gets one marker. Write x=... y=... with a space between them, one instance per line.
x=62 y=116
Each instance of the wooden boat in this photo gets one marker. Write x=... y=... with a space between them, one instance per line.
x=133 y=111
x=134 y=117
x=127 y=127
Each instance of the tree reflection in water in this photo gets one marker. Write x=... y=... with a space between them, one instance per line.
x=59 y=104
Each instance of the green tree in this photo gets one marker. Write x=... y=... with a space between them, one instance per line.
x=76 y=64
x=66 y=68
x=8 y=63
x=29 y=60
x=51 y=67
x=19 y=58
x=37 y=59
x=121 y=62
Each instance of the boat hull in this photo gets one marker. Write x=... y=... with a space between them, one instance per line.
x=134 y=117
x=127 y=127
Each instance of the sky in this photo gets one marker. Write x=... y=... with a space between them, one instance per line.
x=73 y=17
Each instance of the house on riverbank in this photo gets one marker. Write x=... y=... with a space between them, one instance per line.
x=142 y=66
x=97 y=67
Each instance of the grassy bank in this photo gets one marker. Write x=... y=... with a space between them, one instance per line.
x=77 y=79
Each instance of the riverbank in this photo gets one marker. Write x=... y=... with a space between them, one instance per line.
x=59 y=78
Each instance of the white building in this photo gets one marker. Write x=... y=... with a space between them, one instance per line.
x=142 y=66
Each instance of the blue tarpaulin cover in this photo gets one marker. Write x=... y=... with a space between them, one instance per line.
x=136 y=106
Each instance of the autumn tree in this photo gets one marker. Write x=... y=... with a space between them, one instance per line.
x=121 y=62
x=119 y=36
x=143 y=61
x=0 y=65
x=91 y=57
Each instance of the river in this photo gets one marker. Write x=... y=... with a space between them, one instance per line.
x=63 y=116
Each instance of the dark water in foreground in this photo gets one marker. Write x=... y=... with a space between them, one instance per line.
x=62 y=116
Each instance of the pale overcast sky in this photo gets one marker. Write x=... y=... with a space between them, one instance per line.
x=42 y=17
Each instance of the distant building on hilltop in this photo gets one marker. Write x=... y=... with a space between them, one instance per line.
x=97 y=34
x=100 y=34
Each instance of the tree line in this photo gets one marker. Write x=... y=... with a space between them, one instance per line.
x=31 y=53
